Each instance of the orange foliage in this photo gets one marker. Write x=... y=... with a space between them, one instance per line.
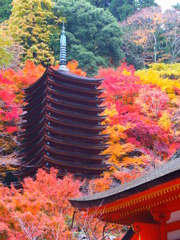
x=100 y=184
x=40 y=210
x=73 y=68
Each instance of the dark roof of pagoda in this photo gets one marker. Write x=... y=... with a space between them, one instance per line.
x=162 y=174
x=66 y=75
x=70 y=75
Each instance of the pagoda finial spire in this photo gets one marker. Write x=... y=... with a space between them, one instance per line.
x=63 y=50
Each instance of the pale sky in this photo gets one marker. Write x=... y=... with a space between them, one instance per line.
x=166 y=4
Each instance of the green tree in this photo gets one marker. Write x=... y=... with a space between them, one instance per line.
x=121 y=9
x=177 y=7
x=5 y=9
x=31 y=24
x=93 y=35
x=145 y=3
x=101 y=3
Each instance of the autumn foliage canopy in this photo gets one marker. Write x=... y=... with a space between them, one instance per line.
x=142 y=116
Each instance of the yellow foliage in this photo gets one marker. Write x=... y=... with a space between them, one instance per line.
x=126 y=73
x=118 y=147
x=28 y=25
x=5 y=56
x=128 y=146
x=110 y=113
x=116 y=132
x=171 y=71
x=158 y=75
x=165 y=121
x=131 y=161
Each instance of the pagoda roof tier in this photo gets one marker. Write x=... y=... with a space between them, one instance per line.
x=84 y=154
x=37 y=91
x=76 y=79
x=75 y=124
x=27 y=171
x=32 y=135
x=34 y=101
x=39 y=82
x=38 y=123
x=79 y=98
x=77 y=165
x=75 y=114
x=32 y=149
x=32 y=119
x=96 y=109
x=67 y=77
x=29 y=133
x=33 y=144
x=79 y=123
x=37 y=160
x=31 y=100
x=90 y=137
x=75 y=154
x=74 y=88
x=74 y=93
x=37 y=112
x=137 y=200
x=33 y=157
x=33 y=110
x=30 y=140
x=79 y=144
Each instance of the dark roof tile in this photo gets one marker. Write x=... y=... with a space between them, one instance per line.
x=163 y=173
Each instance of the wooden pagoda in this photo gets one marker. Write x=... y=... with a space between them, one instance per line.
x=149 y=204
x=61 y=123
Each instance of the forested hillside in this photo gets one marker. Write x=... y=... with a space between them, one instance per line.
x=138 y=32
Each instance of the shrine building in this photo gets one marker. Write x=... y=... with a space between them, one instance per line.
x=61 y=123
x=150 y=204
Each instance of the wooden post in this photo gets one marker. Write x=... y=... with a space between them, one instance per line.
x=161 y=217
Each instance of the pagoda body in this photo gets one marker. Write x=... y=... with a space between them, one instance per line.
x=150 y=204
x=61 y=125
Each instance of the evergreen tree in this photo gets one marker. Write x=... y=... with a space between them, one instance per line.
x=176 y=7
x=31 y=24
x=144 y=3
x=121 y=9
x=5 y=9
x=93 y=35
x=101 y=3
